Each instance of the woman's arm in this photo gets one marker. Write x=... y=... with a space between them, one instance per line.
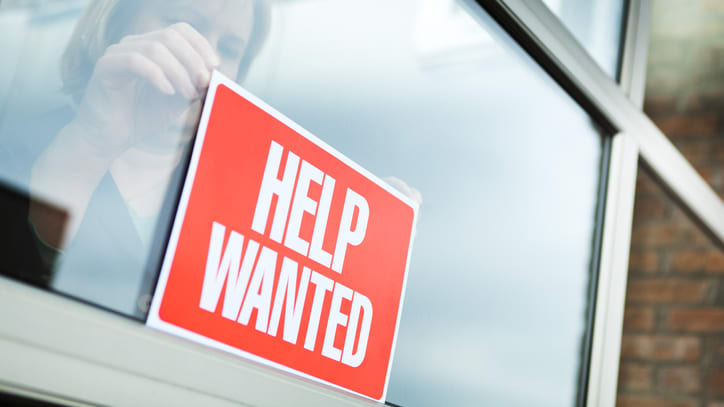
x=66 y=173
x=136 y=89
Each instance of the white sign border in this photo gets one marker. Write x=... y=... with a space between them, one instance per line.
x=154 y=320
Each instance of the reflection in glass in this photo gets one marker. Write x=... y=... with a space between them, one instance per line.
x=597 y=25
x=100 y=100
x=435 y=94
x=430 y=92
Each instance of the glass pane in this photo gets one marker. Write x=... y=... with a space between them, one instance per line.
x=431 y=94
x=434 y=93
x=597 y=25
x=99 y=101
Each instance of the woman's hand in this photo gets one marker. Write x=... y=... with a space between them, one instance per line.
x=142 y=86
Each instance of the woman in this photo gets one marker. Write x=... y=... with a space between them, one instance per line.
x=136 y=71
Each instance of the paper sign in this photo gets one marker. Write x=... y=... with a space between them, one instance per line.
x=283 y=250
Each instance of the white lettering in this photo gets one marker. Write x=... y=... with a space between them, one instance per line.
x=359 y=303
x=316 y=252
x=260 y=290
x=294 y=303
x=236 y=286
x=302 y=203
x=336 y=318
x=270 y=186
x=217 y=268
x=322 y=285
x=347 y=235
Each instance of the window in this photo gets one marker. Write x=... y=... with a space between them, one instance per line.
x=432 y=95
x=597 y=25
x=508 y=167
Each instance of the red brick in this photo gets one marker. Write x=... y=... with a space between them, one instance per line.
x=710 y=261
x=638 y=318
x=690 y=125
x=710 y=97
x=656 y=235
x=667 y=290
x=635 y=377
x=685 y=231
x=649 y=401
x=717 y=350
x=646 y=261
x=645 y=185
x=649 y=208
x=660 y=348
x=659 y=104
x=716 y=382
x=696 y=320
x=718 y=298
x=679 y=380
x=697 y=153
x=682 y=345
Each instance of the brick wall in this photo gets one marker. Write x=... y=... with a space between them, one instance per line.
x=672 y=352
x=673 y=341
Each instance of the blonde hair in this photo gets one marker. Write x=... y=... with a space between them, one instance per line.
x=104 y=23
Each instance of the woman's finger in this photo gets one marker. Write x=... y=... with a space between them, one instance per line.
x=199 y=43
x=115 y=62
x=171 y=66
x=187 y=55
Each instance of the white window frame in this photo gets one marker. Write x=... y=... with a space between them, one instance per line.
x=61 y=350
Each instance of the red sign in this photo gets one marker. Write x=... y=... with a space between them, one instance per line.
x=285 y=251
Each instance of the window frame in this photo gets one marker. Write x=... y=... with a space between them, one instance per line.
x=62 y=350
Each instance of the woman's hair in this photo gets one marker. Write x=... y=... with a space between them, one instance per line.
x=259 y=34
x=105 y=22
